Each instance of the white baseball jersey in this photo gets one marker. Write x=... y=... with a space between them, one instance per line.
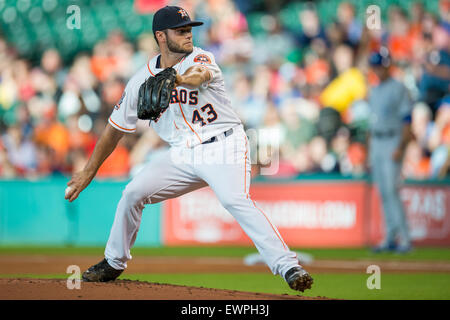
x=193 y=116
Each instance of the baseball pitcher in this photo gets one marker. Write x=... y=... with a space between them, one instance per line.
x=181 y=92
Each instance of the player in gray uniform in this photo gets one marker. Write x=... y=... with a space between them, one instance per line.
x=390 y=132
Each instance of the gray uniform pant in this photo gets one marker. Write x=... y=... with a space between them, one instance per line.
x=386 y=176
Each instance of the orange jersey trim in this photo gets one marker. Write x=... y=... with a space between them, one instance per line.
x=182 y=113
x=273 y=228
x=148 y=67
x=149 y=70
x=120 y=126
x=245 y=169
x=181 y=62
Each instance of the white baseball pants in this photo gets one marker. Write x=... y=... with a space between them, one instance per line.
x=225 y=166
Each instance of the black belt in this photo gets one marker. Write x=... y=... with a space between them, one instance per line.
x=384 y=134
x=214 y=139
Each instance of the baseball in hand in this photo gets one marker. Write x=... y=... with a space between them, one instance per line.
x=67 y=190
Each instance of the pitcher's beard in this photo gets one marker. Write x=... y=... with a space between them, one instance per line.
x=174 y=47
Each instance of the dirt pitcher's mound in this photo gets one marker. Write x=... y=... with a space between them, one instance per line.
x=56 y=289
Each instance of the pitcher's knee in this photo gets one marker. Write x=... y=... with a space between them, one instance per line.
x=233 y=202
x=132 y=197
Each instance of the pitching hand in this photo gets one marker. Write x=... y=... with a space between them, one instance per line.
x=78 y=183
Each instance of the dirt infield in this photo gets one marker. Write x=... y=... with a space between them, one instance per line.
x=22 y=288
x=51 y=289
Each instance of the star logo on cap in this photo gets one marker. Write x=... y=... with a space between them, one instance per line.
x=183 y=13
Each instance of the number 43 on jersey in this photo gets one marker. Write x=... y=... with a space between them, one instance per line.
x=207 y=113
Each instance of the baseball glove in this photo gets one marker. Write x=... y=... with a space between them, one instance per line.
x=154 y=94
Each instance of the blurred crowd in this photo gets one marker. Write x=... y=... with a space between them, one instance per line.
x=303 y=92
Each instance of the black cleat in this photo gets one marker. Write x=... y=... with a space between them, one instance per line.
x=101 y=272
x=298 y=279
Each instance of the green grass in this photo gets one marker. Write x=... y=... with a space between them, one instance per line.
x=341 y=286
x=413 y=286
x=428 y=254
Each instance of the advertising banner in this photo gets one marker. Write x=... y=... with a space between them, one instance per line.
x=313 y=214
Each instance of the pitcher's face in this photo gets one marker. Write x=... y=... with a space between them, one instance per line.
x=179 y=40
